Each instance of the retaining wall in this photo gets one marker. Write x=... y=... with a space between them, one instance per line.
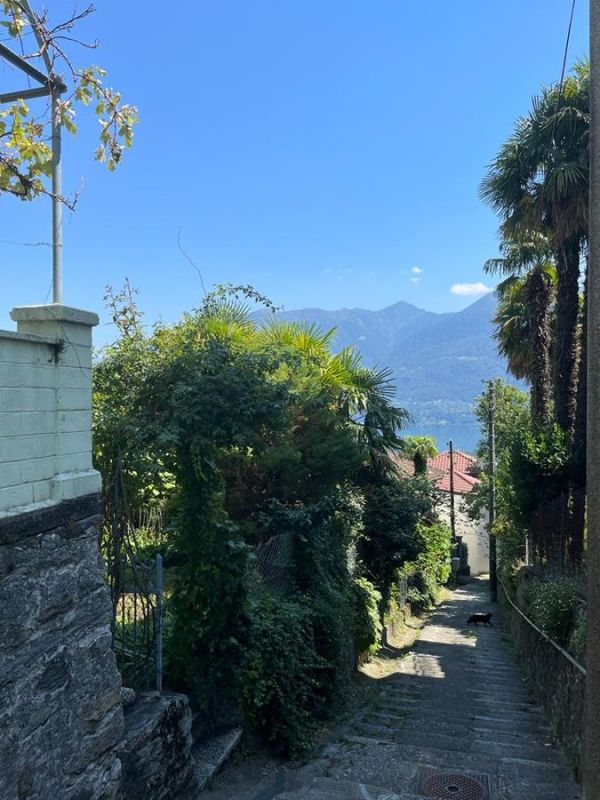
x=556 y=681
x=60 y=710
x=61 y=718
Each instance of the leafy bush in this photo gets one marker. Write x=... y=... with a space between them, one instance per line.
x=539 y=468
x=367 y=619
x=551 y=604
x=431 y=569
x=394 y=508
x=282 y=675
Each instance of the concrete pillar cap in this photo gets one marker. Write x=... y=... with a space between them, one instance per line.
x=54 y=312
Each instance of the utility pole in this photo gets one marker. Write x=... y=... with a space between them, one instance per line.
x=492 y=494
x=57 y=244
x=452 y=511
x=591 y=735
x=49 y=85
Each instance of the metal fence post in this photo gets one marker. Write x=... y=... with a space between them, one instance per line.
x=159 y=622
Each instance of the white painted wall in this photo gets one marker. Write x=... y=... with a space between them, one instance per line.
x=46 y=407
x=474 y=532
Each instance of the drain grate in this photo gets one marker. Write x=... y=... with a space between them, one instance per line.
x=453 y=785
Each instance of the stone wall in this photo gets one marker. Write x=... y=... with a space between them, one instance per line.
x=156 y=753
x=60 y=709
x=557 y=683
x=46 y=407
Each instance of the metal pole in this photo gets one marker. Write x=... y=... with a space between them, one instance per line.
x=591 y=756
x=452 y=510
x=56 y=88
x=57 y=245
x=492 y=489
x=159 y=623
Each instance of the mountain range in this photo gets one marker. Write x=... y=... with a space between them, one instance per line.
x=439 y=361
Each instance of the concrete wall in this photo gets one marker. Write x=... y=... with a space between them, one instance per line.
x=474 y=532
x=46 y=407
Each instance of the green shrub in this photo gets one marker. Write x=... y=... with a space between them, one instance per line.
x=551 y=604
x=431 y=569
x=282 y=676
x=368 y=626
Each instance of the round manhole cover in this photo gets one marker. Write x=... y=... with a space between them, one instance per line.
x=448 y=786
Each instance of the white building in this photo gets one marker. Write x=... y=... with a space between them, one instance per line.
x=474 y=533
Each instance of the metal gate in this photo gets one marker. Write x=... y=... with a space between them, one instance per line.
x=138 y=624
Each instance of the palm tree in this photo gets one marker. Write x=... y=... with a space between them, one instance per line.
x=419 y=449
x=363 y=396
x=539 y=184
x=523 y=317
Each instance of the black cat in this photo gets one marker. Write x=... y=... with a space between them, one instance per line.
x=475 y=619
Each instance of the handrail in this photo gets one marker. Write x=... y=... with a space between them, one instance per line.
x=545 y=636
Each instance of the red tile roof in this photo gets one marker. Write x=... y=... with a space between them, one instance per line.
x=405 y=466
x=464 y=464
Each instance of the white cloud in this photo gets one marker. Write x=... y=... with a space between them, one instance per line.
x=416 y=270
x=470 y=289
x=415 y=280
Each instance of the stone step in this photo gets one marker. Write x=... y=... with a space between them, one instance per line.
x=489 y=748
x=323 y=788
x=470 y=677
x=402 y=723
x=467 y=742
x=541 y=738
x=316 y=793
x=457 y=701
x=494 y=730
x=536 y=790
x=486 y=718
x=524 y=768
x=516 y=693
x=532 y=725
x=527 y=769
x=208 y=757
x=496 y=678
x=334 y=788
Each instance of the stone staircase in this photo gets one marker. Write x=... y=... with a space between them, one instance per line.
x=209 y=751
x=457 y=706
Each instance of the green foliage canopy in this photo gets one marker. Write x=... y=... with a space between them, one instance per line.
x=240 y=433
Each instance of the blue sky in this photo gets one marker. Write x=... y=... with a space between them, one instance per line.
x=322 y=151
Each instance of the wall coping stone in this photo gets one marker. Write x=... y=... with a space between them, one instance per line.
x=31 y=338
x=54 y=312
x=62 y=517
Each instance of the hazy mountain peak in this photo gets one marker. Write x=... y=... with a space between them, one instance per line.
x=439 y=361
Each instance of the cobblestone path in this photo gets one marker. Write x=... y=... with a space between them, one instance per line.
x=455 y=721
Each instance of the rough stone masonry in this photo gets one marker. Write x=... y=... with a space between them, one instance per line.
x=61 y=718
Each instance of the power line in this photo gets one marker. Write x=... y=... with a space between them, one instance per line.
x=566 y=53
x=561 y=83
x=564 y=67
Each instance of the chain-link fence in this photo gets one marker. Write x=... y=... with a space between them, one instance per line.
x=556 y=530
x=270 y=568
